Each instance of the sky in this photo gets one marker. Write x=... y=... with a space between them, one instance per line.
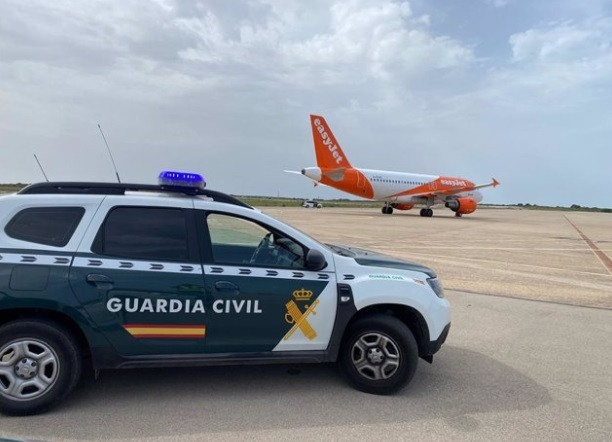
x=516 y=90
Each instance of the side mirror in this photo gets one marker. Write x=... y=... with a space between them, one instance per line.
x=315 y=260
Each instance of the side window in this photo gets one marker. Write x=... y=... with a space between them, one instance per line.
x=158 y=234
x=238 y=241
x=52 y=226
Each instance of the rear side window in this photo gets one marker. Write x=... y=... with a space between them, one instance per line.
x=158 y=234
x=51 y=226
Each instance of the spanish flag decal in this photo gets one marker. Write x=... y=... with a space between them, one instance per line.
x=166 y=331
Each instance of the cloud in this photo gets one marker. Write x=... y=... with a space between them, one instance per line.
x=561 y=58
x=498 y=3
x=226 y=90
x=379 y=40
x=563 y=42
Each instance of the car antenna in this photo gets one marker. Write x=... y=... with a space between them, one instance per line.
x=41 y=168
x=109 y=153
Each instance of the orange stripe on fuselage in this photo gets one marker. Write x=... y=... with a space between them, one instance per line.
x=441 y=185
x=352 y=181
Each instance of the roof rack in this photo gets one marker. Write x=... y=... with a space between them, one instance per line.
x=85 y=188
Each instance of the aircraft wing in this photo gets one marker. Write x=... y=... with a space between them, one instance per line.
x=493 y=183
x=449 y=192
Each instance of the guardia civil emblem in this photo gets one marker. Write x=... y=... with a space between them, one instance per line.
x=299 y=317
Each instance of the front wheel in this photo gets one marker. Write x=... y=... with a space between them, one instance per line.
x=39 y=364
x=379 y=354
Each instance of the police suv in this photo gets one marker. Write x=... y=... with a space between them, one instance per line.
x=311 y=204
x=133 y=275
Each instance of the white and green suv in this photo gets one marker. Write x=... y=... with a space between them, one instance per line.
x=130 y=275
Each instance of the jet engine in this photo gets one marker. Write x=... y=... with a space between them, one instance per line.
x=402 y=206
x=462 y=206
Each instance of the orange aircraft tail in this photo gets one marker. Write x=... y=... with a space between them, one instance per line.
x=328 y=151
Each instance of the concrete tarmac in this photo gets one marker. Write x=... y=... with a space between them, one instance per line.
x=531 y=254
x=511 y=370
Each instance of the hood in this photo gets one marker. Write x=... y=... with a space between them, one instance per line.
x=368 y=258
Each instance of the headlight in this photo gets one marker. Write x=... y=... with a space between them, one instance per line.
x=435 y=285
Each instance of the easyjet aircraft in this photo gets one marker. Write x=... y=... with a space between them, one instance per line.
x=398 y=190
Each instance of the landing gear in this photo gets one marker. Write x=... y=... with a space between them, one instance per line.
x=426 y=212
x=387 y=210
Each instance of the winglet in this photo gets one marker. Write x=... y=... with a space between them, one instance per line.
x=495 y=182
x=328 y=152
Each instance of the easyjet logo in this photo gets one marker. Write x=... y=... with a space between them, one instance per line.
x=327 y=141
x=454 y=183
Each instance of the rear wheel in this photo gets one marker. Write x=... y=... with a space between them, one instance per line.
x=40 y=364
x=379 y=354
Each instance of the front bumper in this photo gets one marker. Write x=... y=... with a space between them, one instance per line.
x=434 y=346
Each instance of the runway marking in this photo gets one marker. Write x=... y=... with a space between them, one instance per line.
x=531 y=275
x=541 y=249
x=378 y=244
x=518 y=298
x=472 y=240
x=606 y=262
x=489 y=261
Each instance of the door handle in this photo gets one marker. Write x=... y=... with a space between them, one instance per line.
x=98 y=279
x=226 y=286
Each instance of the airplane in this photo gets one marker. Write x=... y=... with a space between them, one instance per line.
x=398 y=190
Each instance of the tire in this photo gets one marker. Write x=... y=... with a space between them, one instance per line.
x=377 y=376
x=43 y=359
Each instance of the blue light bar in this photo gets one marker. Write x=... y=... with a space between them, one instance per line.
x=181 y=179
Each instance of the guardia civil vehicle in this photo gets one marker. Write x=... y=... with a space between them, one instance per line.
x=119 y=275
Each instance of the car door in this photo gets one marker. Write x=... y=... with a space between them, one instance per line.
x=138 y=275
x=260 y=298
